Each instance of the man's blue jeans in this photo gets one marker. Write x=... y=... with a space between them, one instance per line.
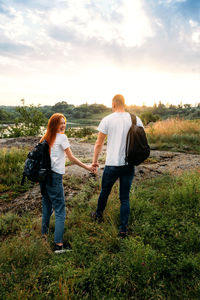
x=53 y=199
x=110 y=175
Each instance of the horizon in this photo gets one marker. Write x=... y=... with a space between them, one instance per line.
x=88 y=50
x=167 y=105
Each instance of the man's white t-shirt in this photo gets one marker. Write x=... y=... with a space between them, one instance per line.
x=116 y=126
x=58 y=154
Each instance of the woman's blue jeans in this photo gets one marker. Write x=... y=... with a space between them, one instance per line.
x=110 y=175
x=53 y=199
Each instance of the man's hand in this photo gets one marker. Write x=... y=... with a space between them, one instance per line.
x=92 y=169
x=97 y=148
x=95 y=164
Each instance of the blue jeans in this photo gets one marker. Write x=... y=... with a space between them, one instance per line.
x=53 y=199
x=110 y=175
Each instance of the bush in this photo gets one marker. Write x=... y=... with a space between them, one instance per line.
x=80 y=132
x=29 y=122
x=11 y=170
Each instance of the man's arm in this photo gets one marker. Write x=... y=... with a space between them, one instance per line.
x=98 y=147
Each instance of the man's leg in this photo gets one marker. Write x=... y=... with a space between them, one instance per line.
x=126 y=178
x=110 y=175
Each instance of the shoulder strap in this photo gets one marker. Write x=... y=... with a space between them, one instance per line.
x=133 y=118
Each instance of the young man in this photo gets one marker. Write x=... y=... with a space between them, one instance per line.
x=115 y=126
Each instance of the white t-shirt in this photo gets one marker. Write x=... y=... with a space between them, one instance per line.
x=116 y=126
x=58 y=154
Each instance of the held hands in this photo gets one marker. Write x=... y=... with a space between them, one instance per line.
x=93 y=168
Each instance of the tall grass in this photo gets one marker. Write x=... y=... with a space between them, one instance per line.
x=159 y=260
x=11 y=169
x=175 y=134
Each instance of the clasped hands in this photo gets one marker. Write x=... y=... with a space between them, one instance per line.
x=93 y=168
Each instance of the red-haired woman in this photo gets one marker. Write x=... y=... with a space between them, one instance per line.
x=53 y=192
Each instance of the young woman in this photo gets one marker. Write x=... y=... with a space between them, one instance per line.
x=53 y=192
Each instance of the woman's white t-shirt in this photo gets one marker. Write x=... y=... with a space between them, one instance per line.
x=116 y=126
x=58 y=154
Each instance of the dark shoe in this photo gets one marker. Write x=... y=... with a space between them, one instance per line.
x=60 y=249
x=123 y=235
x=96 y=218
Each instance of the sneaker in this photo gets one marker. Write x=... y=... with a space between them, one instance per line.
x=96 y=218
x=60 y=249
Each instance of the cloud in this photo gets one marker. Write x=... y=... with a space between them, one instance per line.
x=162 y=35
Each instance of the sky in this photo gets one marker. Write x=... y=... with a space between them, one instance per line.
x=82 y=51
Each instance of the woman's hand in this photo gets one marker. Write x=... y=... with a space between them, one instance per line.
x=92 y=169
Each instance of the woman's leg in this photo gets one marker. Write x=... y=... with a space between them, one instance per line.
x=56 y=194
x=46 y=211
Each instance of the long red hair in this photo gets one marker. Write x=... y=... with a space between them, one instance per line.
x=52 y=129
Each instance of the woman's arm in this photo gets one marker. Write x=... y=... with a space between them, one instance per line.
x=75 y=160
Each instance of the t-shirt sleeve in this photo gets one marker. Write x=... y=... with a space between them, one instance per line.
x=103 y=127
x=64 y=142
x=139 y=122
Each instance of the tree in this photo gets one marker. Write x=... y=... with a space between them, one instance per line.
x=29 y=122
x=148 y=117
x=4 y=115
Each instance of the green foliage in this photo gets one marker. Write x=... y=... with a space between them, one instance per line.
x=9 y=224
x=80 y=132
x=148 y=117
x=159 y=260
x=4 y=116
x=29 y=121
x=84 y=115
x=11 y=169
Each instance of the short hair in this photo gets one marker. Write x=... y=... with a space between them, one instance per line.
x=119 y=100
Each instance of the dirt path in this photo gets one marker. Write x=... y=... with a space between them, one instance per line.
x=160 y=162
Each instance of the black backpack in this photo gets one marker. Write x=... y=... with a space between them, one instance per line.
x=38 y=164
x=137 y=148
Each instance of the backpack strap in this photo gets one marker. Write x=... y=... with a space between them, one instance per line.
x=133 y=119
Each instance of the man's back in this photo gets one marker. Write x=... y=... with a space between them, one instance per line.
x=116 y=126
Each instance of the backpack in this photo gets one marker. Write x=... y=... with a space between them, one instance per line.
x=38 y=164
x=137 y=148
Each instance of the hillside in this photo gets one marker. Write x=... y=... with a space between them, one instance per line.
x=159 y=260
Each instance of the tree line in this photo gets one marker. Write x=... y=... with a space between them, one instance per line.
x=84 y=112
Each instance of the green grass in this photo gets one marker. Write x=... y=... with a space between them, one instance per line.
x=159 y=260
x=11 y=170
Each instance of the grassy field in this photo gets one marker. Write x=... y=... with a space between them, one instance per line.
x=159 y=260
x=176 y=135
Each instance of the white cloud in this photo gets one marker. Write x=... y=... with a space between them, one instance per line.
x=196 y=36
x=99 y=46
